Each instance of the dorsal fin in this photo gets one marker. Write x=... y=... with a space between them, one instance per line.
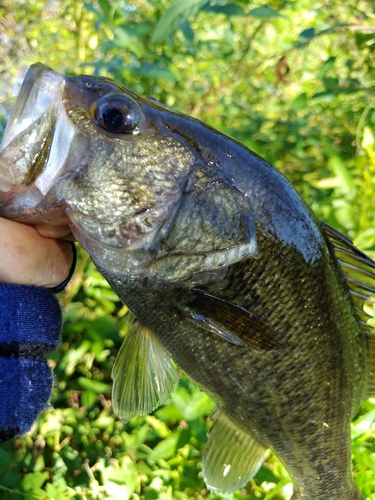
x=358 y=272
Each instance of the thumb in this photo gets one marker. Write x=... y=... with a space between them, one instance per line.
x=27 y=258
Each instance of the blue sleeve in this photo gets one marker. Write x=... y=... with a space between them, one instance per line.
x=30 y=324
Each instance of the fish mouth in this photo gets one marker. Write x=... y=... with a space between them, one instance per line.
x=39 y=162
x=36 y=144
x=14 y=174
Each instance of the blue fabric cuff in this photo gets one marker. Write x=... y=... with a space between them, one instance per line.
x=30 y=324
x=29 y=314
x=25 y=387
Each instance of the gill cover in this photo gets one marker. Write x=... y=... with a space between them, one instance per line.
x=211 y=226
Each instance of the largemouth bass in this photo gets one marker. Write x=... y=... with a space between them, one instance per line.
x=226 y=269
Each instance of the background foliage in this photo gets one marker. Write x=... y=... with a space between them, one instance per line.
x=294 y=80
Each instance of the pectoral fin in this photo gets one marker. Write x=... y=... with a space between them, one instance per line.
x=233 y=323
x=232 y=457
x=143 y=374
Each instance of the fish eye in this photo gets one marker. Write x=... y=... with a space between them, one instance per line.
x=118 y=114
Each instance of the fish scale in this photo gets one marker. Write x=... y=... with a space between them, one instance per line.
x=226 y=269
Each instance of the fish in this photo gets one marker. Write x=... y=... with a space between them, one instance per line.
x=229 y=274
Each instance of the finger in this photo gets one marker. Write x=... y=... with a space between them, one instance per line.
x=28 y=258
x=56 y=232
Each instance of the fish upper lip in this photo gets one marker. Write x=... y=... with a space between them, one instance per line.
x=38 y=91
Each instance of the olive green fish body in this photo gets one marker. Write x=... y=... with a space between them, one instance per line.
x=298 y=401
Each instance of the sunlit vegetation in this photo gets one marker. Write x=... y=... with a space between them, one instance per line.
x=295 y=81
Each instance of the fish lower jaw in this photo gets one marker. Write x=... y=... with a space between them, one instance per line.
x=110 y=233
x=120 y=259
x=19 y=202
x=28 y=205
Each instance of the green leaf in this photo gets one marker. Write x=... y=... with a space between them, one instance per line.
x=306 y=34
x=339 y=169
x=34 y=481
x=264 y=13
x=299 y=102
x=88 y=399
x=363 y=424
x=106 y=7
x=200 y=405
x=102 y=327
x=366 y=239
x=129 y=470
x=11 y=480
x=330 y=84
x=93 y=385
x=5 y=458
x=177 y=9
x=124 y=39
x=120 y=479
x=159 y=427
x=57 y=491
x=104 y=422
x=165 y=449
x=229 y=9
x=187 y=32
x=169 y=412
x=365 y=40
x=155 y=72
x=265 y=474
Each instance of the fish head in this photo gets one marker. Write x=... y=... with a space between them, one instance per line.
x=139 y=198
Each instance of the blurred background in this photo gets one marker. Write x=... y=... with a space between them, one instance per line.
x=294 y=81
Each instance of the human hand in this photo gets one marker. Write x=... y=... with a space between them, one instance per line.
x=34 y=255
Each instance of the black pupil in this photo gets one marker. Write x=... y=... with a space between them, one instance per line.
x=113 y=118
